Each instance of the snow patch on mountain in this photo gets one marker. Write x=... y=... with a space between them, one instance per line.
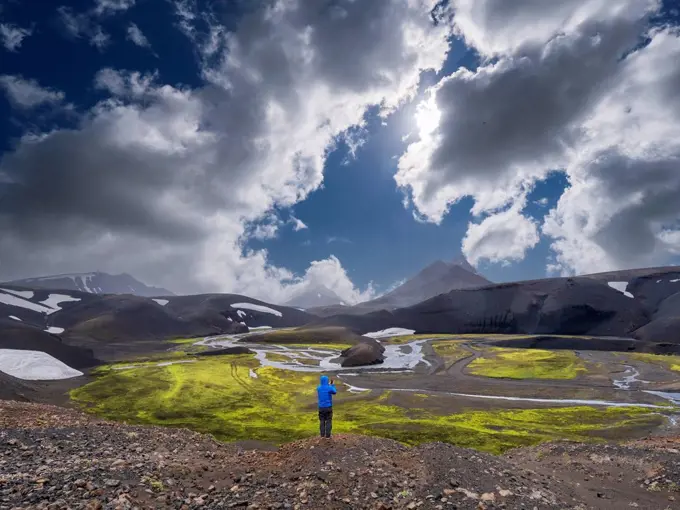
x=34 y=366
x=12 y=300
x=55 y=300
x=257 y=308
x=621 y=287
x=26 y=294
x=386 y=333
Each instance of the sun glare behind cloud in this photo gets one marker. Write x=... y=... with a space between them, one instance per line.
x=427 y=117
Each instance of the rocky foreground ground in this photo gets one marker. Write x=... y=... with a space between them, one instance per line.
x=57 y=458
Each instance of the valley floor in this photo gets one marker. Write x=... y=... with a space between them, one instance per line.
x=461 y=390
x=53 y=457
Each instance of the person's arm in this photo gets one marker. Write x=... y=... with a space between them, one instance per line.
x=333 y=390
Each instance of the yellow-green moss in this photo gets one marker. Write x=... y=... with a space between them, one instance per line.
x=670 y=362
x=278 y=358
x=527 y=364
x=404 y=339
x=450 y=351
x=185 y=341
x=218 y=395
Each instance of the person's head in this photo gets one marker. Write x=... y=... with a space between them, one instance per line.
x=324 y=379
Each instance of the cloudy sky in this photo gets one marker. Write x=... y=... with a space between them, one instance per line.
x=264 y=147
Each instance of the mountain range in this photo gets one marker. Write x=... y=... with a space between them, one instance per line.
x=94 y=283
x=640 y=307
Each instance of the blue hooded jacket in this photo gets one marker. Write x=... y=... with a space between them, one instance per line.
x=325 y=392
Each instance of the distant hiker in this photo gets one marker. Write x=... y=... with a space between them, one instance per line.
x=325 y=392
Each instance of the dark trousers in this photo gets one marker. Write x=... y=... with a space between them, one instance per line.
x=325 y=421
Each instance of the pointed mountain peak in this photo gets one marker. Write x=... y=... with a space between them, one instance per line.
x=461 y=261
x=437 y=265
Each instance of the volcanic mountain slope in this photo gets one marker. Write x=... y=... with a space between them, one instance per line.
x=53 y=457
x=221 y=310
x=437 y=278
x=658 y=291
x=118 y=325
x=94 y=283
x=568 y=306
x=17 y=335
x=114 y=326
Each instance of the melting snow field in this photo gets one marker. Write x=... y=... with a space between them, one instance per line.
x=55 y=330
x=55 y=300
x=10 y=299
x=386 y=333
x=15 y=318
x=34 y=366
x=161 y=302
x=621 y=287
x=26 y=294
x=257 y=308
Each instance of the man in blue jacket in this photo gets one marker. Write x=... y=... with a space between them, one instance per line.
x=325 y=392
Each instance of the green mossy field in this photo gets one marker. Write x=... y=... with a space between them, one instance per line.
x=668 y=361
x=450 y=351
x=404 y=339
x=527 y=364
x=233 y=398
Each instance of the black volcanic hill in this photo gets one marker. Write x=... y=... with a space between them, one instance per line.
x=114 y=326
x=21 y=336
x=94 y=283
x=567 y=306
x=220 y=310
x=118 y=325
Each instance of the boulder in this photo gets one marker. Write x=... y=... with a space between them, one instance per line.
x=367 y=352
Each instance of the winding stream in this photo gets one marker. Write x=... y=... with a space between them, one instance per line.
x=404 y=357
x=630 y=376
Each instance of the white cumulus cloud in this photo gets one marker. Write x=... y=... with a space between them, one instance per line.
x=573 y=86
x=163 y=181
x=503 y=237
